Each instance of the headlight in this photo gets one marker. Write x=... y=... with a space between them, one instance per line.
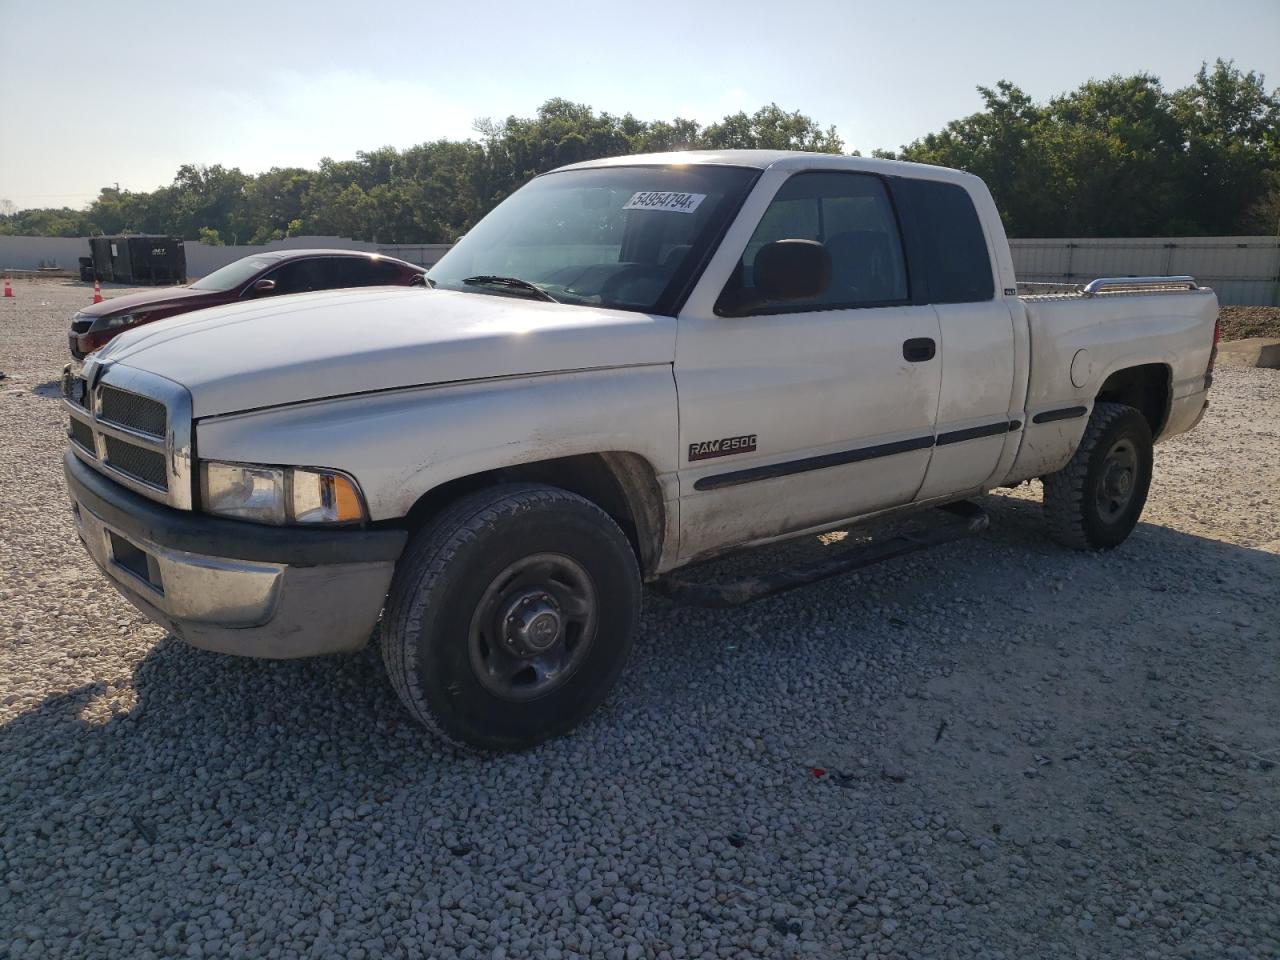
x=279 y=495
x=123 y=320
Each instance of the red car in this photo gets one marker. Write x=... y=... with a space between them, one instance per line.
x=260 y=275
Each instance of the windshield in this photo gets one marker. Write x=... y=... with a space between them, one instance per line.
x=232 y=275
x=626 y=237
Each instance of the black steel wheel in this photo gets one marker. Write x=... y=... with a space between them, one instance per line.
x=511 y=616
x=1117 y=480
x=533 y=626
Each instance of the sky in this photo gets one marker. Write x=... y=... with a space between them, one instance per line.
x=95 y=94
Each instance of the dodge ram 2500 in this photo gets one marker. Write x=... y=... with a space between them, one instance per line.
x=628 y=366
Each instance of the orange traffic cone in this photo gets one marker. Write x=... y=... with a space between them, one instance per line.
x=8 y=290
x=97 y=291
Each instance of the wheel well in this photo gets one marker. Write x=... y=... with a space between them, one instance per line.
x=623 y=485
x=1145 y=387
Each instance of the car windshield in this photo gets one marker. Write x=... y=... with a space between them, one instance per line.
x=233 y=274
x=625 y=237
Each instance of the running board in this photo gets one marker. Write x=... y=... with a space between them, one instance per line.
x=969 y=519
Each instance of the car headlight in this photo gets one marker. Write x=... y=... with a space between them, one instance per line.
x=122 y=320
x=279 y=495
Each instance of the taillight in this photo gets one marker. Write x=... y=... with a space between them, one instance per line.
x=1217 y=331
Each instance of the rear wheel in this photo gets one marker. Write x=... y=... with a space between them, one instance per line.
x=1094 y=502
x=510 y=616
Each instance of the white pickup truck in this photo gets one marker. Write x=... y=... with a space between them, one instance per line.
x=629 y=366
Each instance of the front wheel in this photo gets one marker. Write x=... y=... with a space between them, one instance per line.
x=510 y=616
x=1094 y=502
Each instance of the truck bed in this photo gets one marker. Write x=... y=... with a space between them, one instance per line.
x=1080 y=335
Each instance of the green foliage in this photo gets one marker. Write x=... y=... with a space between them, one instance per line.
x=1115 y=157
x=769 y=128
x=1121 y=157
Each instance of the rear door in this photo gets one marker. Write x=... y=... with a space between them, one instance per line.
x=796 y=415
x=300 y=276
x=952 y=258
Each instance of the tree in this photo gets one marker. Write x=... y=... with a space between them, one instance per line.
x=771 y=128
x=1114 y=157
x=1000 y=145
x=1121 y=157
x=1232 y=131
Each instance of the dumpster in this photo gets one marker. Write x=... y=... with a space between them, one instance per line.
x=140 y=258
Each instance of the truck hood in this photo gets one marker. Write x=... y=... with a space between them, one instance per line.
x=310 y=346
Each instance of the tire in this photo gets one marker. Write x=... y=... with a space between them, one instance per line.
x=510 y=616
x=1094 y=502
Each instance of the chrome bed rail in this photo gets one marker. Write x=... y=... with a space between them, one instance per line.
x=1105 y=285
x=1138 y=283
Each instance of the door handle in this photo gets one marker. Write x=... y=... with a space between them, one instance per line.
x=919 y=349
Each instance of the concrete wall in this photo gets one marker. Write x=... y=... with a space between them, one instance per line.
x=1243 y=270
x=203 y=259
x=32 y=253
x=423 y=254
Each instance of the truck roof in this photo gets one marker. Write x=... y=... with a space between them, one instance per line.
x=787 y=159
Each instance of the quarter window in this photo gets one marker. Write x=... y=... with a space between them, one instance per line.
x=956 y=262
x=851 y=215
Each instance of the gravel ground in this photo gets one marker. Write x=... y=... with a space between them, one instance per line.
x=997 y=749
x=1239 y=323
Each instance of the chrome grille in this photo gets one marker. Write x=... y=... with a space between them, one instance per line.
x=137 y=462
x=130 y=410
x=82 y=434
x=134 y=427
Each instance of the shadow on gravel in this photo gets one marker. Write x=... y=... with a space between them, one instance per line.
x=196 y=752
x=50 y=389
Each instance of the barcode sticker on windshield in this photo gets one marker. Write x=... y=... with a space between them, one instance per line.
x=662 y=200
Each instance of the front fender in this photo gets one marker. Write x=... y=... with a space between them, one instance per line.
x=400 y=444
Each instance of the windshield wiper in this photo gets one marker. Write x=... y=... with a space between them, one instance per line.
x=515 y=283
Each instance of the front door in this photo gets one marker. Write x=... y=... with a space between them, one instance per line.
x=801 y=414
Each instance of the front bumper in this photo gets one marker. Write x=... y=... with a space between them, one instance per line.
x=230 y=586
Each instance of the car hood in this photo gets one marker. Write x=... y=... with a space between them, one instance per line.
x=148 y=299
x=310 y=346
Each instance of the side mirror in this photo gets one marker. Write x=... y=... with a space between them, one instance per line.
x=791 y=270
x=784 y=270
x=264 y=286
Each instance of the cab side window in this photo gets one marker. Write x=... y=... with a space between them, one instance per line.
x=851 y=215
x=956 y=262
